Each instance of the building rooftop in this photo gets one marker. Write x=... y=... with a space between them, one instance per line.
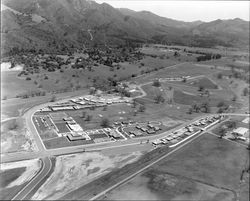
x=241 y=130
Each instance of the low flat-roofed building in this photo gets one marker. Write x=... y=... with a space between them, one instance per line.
x=156 y=142
x=241 y=131
x=56 y=108
x=73 y=137
x=137 y=133
x=46 y=109
x=82 y=102
x=67 y=118
x=114 y=134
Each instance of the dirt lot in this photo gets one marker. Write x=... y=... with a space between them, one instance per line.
x=75 y=170
x=15 y=137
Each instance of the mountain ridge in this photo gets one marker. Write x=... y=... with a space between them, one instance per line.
x=60 y=24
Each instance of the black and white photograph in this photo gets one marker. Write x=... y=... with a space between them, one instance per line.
x=125 y=100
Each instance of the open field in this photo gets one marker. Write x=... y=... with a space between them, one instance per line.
x=162 y=186
x=211 y=161
x=228 y=51
x=11 y=85
x=68 y=79
x=244 y=190
x=207 y=169
x=184 y=69
x=14 y=176
x=169 y=54
x=229 y=62
x=17 y=107
x=75 y=170
x=183 y=97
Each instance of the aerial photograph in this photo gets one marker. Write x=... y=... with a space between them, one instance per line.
x=125 y=100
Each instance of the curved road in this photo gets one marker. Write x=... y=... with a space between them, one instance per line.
x=35 y=182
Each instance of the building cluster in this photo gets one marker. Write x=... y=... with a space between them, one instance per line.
x=142 y=129
x=87 y=101
x=189 y=130
x=174 y=78
x=242 y=133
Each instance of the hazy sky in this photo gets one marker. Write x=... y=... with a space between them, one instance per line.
x=187 y=10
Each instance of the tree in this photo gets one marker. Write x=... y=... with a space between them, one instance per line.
x=219 y=75
x=190 y=110
x=88 y=117
x=159 y=98
x=245 y=91
x=195 y=107
x=134 y=103
x=231 y=124
x=83 y=114
x=201 y=88
x=220 y=104
x=142 y=108
x=156 y=83
x=92 y=90
x=53 y=98
x=222 y=132
x=205 y=106
x=105 y=123
x=234 y=98
x=105 y=108
x=207 y=92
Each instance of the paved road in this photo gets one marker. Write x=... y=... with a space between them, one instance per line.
x=36 y=181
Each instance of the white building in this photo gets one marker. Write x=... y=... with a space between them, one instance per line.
x=75 y=127
x=246 y=120
x=240 y=131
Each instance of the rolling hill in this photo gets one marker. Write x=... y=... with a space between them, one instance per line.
x=62 y=24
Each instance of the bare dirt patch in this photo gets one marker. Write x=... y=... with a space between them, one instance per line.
x=15 y=137
x=75 y=170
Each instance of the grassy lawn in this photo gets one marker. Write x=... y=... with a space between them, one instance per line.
x=64 y=142
x=10 y=175
x=11 y=85
x=244 y=191
x=183 y=97
x=9 y=193
x=204 y=82
x=208 y=160
x=6 y=177
x=154 y=185
x=186 y=69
